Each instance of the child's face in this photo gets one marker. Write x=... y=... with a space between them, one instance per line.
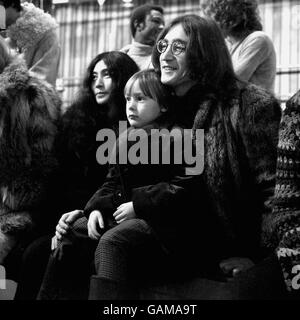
x=102 y=84
x=140 y=109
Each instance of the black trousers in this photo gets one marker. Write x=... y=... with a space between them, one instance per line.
x=33 y=265
x=131 y=254
x=127 y=253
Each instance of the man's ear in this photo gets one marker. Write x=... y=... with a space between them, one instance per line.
x=139 y=26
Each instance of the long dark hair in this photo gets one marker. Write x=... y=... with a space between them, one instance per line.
x=121 y=67
x=208 y=59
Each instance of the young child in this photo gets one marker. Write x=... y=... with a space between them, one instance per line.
x=141 y=209
x=117 y=200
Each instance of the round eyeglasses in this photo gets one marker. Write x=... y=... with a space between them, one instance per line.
x=177 y=46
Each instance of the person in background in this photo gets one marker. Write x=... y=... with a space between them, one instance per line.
x=29 y=115
x=146 y=21
x=33 y=33
x=252 y=51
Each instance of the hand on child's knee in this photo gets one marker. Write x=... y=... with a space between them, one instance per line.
x=66 y=221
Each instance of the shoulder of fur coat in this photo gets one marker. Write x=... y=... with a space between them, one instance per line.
x=30 y=27
x=30 y=110
x=259 y=118
x=16 y=78
x=258 y=102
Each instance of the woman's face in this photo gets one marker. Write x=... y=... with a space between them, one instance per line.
x=174 y=71
x=102 y=84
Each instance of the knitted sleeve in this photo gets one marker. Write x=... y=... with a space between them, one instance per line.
x=286 y=201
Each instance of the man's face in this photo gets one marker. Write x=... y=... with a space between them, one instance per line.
x=153 y=24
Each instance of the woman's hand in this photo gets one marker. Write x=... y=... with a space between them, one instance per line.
x=233 y=266
x=63 y=226
x=95 y=221
x=125 y=211
x=66 y=221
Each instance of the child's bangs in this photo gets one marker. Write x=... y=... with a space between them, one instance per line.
x=129 y=85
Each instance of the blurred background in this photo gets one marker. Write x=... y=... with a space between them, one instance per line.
x=88 y=27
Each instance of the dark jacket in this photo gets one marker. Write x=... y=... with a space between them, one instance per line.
x=164 y=207
x=80 y=175
x=30 y=110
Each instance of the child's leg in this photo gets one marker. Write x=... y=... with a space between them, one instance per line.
x=122 y=258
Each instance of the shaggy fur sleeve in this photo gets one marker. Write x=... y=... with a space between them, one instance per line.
x=37 y=110
x=258 y=126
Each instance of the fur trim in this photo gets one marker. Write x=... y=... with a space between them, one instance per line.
x=29 y=111
x=15 y=75
x=240 y=161
x=30 y=27
x=15 y=223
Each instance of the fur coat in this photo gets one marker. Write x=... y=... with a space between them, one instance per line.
x=29 y=111
x=240 y=137
x=34 y=35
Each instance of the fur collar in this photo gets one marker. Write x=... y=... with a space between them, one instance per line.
x=14 y=76
x=30 y=27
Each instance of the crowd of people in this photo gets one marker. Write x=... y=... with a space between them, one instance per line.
x=73 y=226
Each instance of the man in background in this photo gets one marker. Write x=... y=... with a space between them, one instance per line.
x=146 y=22
x=33 y=33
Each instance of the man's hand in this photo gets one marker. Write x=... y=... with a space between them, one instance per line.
x=125 y=211
x=95 y=221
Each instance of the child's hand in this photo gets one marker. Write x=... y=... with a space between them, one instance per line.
x=95 y=221
x=124 y=212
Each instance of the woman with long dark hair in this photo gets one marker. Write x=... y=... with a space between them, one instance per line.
x=100 y=104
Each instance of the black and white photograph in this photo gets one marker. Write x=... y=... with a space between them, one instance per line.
x=149 y=154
